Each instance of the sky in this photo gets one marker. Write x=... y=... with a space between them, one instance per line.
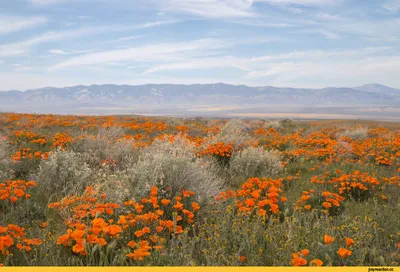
x=283 y=43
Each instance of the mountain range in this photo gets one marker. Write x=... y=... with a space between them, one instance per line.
x=205 y=99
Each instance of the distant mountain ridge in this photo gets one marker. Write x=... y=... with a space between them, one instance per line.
x=158 y=96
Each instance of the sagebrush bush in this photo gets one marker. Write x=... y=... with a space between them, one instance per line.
x=235 y=131
x=5 y=161
x=174 y=165
x=65 y=172
x=254 y=162
x=107 y=146
x=272 y=124
x=359 y=133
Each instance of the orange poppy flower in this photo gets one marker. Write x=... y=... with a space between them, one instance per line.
x=178 y=206
x=79 y=247
x=138 y=233
x=195 y=206
x=344 y=253
x=242 y=258
x=5 y=241
x=159 y=228
x=327 y=205
x=19 y=193
x=3 y=229
x=132 y=244
x=101 y=241
x=153 y=191
x=316 y=262
x=305 y=252
x=178 y=229
x=165 y=202
x=158 y=247
x=113 y=230
x=63 y=239
x=328 y=239
x=349 y=242
x=262 y=212
x=298 y=261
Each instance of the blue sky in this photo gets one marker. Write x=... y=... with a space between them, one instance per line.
x=294 y=43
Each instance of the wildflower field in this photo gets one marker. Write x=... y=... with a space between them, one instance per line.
x=141 y=191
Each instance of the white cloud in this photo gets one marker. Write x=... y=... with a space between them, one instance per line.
x=300 y=68
x=128 y=38
x=152 y=52
x=70 y=52
x=393 y=5
x=328 y=16
x=230 y=8
x=24 y=47
x=10 y=24
x=209 y=8
x=252 y=64
x=21 y=48
x=49 y=2
x=58 y=52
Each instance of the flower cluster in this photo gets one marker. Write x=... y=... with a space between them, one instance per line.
x=142 y=226
x=15 y=236
x=219 y=149
x=13 y=190
x=300 y=259
x=262 y=195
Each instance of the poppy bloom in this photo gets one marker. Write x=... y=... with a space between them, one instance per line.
x=305 y=252
x=132 y=244
x=344 y=253
x=63 y=239
x=153 y=191
x=249 y=202
x=113 y=230
x=178 y=206
x=349 y=242
x=316 y=262
x=307 y=207
x=328 y=239
x=298 y=261
x=195 y=206
x=79 y=247
x=158 y=247
x=159 y=228
x=5 y=241
x=3 y=229
x=138 y=233
x=242 y=258
x=262 y=212
x=327 y=205
x=101 y=241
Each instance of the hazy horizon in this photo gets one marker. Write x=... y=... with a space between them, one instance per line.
x=189 y=84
